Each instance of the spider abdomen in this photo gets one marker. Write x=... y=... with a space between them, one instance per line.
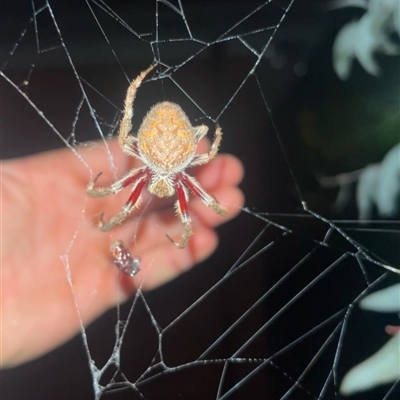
x=165 y=139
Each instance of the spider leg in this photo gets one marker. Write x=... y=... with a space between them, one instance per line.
x=183 y=211
x=127 y=208
x=208 y=200
x=130 y=146
x=125 y=125
x=205 y=158
x=200 y=131
x=132 y=176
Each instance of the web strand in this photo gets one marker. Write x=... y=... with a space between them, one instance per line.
x=330 y=248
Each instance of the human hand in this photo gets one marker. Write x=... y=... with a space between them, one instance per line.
x=50 y=233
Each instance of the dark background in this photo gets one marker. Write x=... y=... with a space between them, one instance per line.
x=276 y=157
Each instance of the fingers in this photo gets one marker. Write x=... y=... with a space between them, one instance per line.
x=224 y=170
x=219 y=178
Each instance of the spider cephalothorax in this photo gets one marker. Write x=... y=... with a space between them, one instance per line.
x=166 y=143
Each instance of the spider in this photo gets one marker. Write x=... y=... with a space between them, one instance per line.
x=166 y=144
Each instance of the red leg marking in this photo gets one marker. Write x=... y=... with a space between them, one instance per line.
x=209 y=201
x=184 y=214
x=194 y=188
x=133 y=198
x=183 y=205
x=136 y=177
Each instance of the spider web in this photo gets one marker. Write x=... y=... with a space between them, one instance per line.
x=273 y=313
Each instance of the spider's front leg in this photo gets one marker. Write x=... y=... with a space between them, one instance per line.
x=183 y=211
x=125 y=125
